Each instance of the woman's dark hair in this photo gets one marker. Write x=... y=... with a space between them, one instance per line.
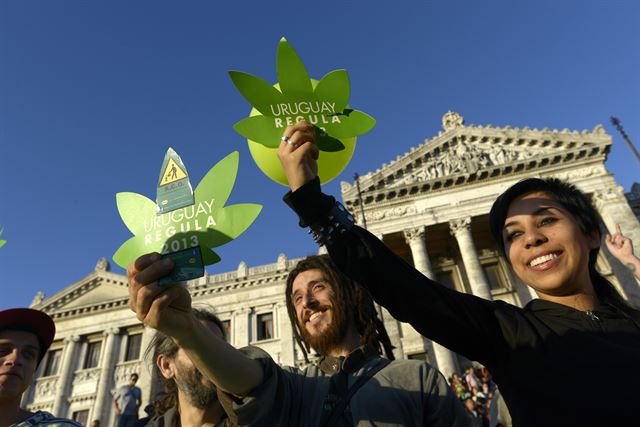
x=164 y=345
x=350 y=297
x=578 y=205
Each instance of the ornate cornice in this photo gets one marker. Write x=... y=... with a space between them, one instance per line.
x=394 y=212
x=466 y=154
x=243 y=278
x=59 y=300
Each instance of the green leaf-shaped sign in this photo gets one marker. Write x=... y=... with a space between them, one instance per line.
x=208 y=223
x=297 y=97
x=2 y=242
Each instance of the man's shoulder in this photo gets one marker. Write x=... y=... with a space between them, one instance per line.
x=417 y=369
x=42 y=418
x=165 y=419
x=412 y=363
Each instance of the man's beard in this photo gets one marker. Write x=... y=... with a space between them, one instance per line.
x=189 y=382
x=327 y=340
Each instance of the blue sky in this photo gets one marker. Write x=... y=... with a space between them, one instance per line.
x=93 y=93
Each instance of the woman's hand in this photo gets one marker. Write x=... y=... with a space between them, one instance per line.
x=298 y=154
x=621 y=247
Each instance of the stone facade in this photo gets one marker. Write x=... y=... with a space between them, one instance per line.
x=429 y=205
x=634 y=199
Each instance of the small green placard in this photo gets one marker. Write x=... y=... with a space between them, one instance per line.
x=174 y=188
x=2 y=242
x=205 y=224
x=188 y=265
x=297 y=97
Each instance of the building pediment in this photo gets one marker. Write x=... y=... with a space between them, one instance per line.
x=99 y=290
x=462 y=154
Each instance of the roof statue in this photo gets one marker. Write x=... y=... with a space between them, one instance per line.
x=452 y=120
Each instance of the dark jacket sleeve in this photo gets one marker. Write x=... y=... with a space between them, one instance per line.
x=275 y=402
x=464 y=323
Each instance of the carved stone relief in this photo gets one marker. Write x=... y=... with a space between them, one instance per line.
x=124 y=371
x=46 y=387
x=610 y=194
x=392 y=213
x=580 y=173
x=411 y=234
x=86 y=375
x=459 y=225
x=464 y=158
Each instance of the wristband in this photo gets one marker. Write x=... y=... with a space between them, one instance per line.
x=337 y=221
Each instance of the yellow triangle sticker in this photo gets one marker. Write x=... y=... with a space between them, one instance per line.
x=172 y=173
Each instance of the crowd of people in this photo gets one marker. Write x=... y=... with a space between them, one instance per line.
x=548 y=232
x=480 y=396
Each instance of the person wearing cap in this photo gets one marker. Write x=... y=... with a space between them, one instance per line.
x=25 y=337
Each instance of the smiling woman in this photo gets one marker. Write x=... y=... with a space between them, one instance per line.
x=550 y=234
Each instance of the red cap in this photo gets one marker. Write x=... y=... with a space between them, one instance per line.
x=34 y=321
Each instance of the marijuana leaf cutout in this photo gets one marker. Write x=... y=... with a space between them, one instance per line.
x=207 y=223
x=2 y=242
x=296 y=97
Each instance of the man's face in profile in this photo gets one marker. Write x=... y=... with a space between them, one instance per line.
x=199 y=390
x=19 y=351
x=133 y=379
x=322 y=320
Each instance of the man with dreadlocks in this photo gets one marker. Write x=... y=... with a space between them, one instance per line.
x=190 y=399
x=351 y=385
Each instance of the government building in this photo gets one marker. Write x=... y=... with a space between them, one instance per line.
x=429 y=205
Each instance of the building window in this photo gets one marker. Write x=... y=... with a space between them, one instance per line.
x=419 y=356
x=226 y=329
x=53 y=363
x=495 y=276
x=265 y=326
x=446 y=278
x=92 y=359
x=81 y=417
x=133 y=347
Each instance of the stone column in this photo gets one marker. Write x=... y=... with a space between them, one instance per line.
x=66 y=376
x=445 y=358
x=242 y=328
x=287 y=355
x=101 y=409
x=461 y=229
x=394 y=331
x=147 y=372
x=415 y=238
x=381 y=310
